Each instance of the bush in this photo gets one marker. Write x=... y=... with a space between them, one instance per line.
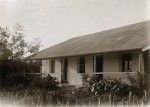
x=50 y=82
x=20 y=66
x=31 y=81
x=115 y=87
x=137 y=83
x=71 y=95
x=90 y=80
x=46 y=90
x=78 y=94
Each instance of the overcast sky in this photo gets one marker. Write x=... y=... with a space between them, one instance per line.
x=57 y=20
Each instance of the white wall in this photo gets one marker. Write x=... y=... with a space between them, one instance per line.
x=57 y=72
x=74 y=78
x=111 y=65
x=46 y=67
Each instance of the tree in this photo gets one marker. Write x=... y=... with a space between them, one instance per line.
x=13 y=44
x=13 y=49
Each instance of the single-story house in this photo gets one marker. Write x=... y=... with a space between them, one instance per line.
x=110 y=53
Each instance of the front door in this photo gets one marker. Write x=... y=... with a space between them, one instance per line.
x=64 y=70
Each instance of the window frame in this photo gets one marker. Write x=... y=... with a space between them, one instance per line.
x=126 y=60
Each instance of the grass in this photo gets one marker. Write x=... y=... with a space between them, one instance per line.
x=40 y=97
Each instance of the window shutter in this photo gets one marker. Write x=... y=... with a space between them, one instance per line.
x=52 y=66
x=81 y=64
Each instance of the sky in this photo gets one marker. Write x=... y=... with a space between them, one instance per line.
x=54 y=21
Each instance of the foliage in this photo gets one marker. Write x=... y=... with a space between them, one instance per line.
x=137 y=83
x=61 y=95
x=78 y=94
x=113 y=86
x=30 y=97
x=94 y=79
x=24 y=81
x=13 y=49
x=38 y=90
x=116 y=86
x=36 y=97
x=46 y=91
x=13 y=44
x=90 y=80
x=20 y=66
x=137 y=80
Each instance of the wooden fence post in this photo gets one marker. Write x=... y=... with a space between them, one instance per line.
x=89 y=102
x=76 y=103
x=145 y=96
x=110 y=98
x=99 y=101
x=122 y=103
x=67 y=103
x=130 y=95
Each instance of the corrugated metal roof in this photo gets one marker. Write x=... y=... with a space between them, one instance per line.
x=130 y=37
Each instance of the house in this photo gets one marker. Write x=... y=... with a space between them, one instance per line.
x=111 y=53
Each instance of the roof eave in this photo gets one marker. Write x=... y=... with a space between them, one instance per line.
x=90 y=54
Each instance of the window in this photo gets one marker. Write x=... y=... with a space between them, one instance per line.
x=98 y=64
x=52 y=66
x=64 y=65
x=81 y=63
x=126 y=62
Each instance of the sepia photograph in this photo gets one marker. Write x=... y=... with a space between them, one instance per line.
x=74 y=53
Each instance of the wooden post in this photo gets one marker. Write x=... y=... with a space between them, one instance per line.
x=76 y=103
x=99 y=101
x=147 y=72
x=129 y=99
x=141 y=65
x=139 y=62
x=110 y=99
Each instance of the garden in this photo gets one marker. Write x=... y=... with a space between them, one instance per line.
x=41 y=90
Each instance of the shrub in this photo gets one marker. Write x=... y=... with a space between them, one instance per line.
x=19 y=66
x=31 y=81
x=114 y=86
x=90 y=80
x=99 y=86
x=79 y=93
x=46 y=90
x=18 y=81
x=72 y=94
x=137 y=83
x=50 y=82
